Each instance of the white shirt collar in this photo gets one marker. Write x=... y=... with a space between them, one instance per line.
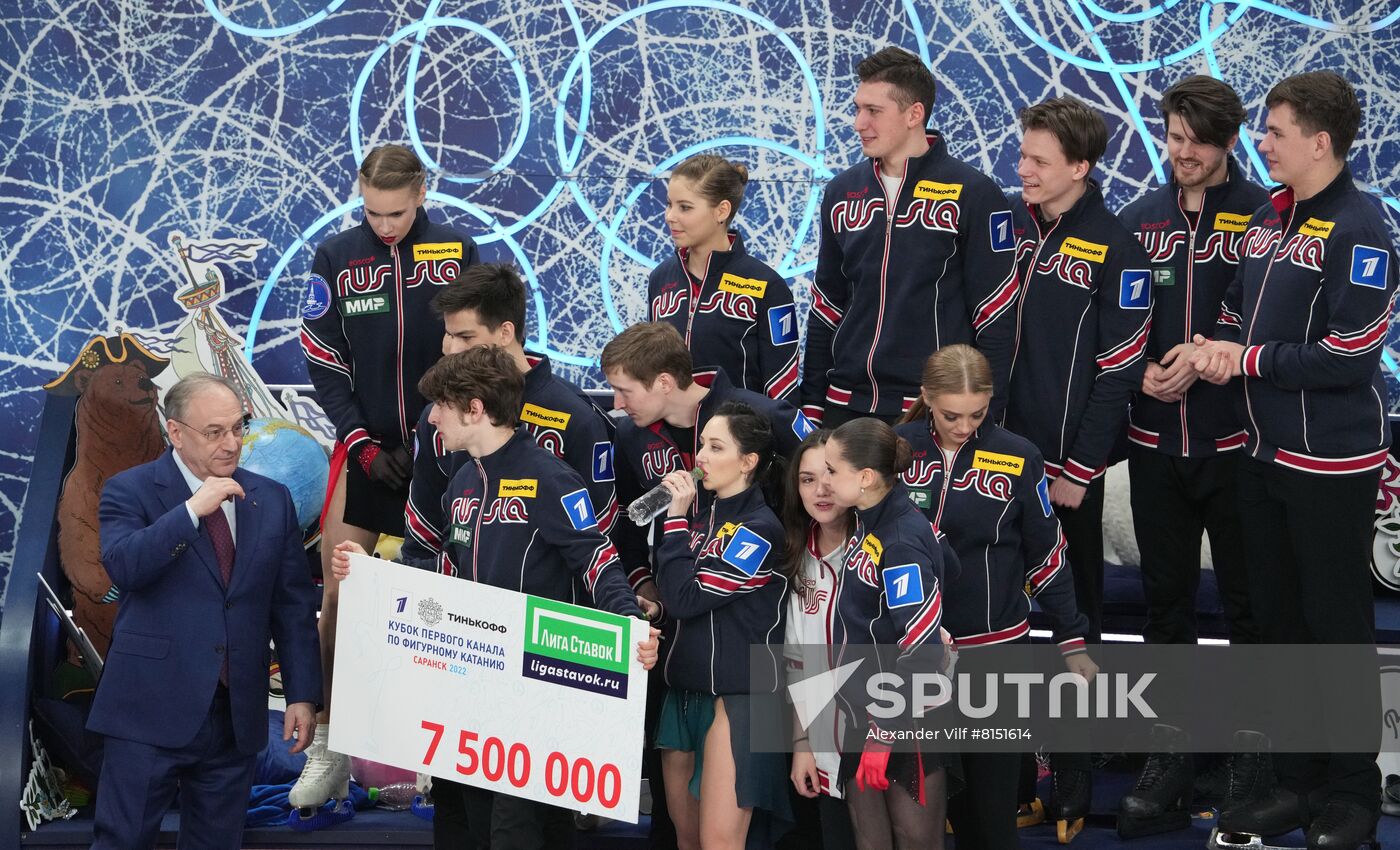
x=190 y=479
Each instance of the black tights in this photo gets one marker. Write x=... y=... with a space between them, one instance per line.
x=893 y=820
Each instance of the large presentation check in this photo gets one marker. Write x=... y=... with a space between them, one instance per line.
x=489 y=687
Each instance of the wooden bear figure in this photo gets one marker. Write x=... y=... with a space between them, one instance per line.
x=118 y=427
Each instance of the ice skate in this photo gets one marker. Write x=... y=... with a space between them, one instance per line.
x=1158 y=802
x=1073 y=787
x=325 y=777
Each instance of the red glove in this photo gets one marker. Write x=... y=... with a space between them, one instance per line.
x=874 y=759
x=367 y=455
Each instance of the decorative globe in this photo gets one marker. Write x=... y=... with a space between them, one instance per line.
x=288 y=454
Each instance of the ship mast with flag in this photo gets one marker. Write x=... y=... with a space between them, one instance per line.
x=204 y=343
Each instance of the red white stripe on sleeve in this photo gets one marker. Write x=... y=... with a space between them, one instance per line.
x=1128 y=352
x=638 y=576
x=725 y=584
x=421 y=529
x=1079 y=473
x=320 y=353
x=1048 y=568
x=676 y=525
x=1070 y=646
x=784 y=381
x=1360 y=342
x=925 y=623
x=605 y=555
x=997 y=303
x=608 y=516
x=1249 y=362
x=823 y=308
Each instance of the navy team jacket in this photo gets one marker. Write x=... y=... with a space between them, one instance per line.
x=890 y=594
x=724 y=591
x=1193 y=263
x=1082 y=326
x=738 y=317
x=368 y=331
x=1311 y=304
x=563 y=421
x=645 y=455
x=521 y=518
x=994 y=505
x=892 y=288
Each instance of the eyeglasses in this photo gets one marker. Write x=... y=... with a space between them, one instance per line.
x=215 y=435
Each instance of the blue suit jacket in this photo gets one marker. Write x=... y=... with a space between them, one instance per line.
x=177 y=620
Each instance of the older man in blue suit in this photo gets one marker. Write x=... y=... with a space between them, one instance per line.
x=209 y=561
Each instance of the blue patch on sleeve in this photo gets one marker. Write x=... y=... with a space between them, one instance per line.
x=1002 y=235
x=782 y=324
x=904 y=585
x=1043 y=491
x=580 y=509
x=746 y=551
x=603 y=462
x=1135 y=289
x=802 y=426
x=318 y=298
x=1369 y=266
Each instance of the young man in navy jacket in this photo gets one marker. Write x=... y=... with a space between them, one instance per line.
x=519 y=518
x=667 y=401
x=1185 y=434
x=916 y=253
x=1303 y=326
x=1082 y=322
x=484 y=307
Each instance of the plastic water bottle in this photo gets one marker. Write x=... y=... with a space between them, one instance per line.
x=654 y=502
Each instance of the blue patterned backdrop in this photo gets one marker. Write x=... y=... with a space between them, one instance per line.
x=546 y=122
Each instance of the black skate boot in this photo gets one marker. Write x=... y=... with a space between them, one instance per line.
x=1073 y=787
x=1158 y=801
x=1343 y=825
x=1279 y=812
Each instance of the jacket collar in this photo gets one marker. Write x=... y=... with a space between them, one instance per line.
x=718 y=259
x=937 y=152
x=502 y=458
x=1092 y=197
x=420 y=223
x=742 y=503
x=895 y=504
x=1282 y=197
x=540 y=374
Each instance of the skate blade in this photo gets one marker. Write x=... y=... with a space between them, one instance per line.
x=1221 y=840
x=422 y=809
x=1066 y=830
x=307 y=819
x=1030 y=814
x=1131 y=827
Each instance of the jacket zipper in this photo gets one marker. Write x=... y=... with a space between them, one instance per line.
x=1254 y=317
x=1191 y=231
x=398 y=318
x=950 y=464
x=891 y=205
x=476 y=534
x=1026 y=287
x=695 y=293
